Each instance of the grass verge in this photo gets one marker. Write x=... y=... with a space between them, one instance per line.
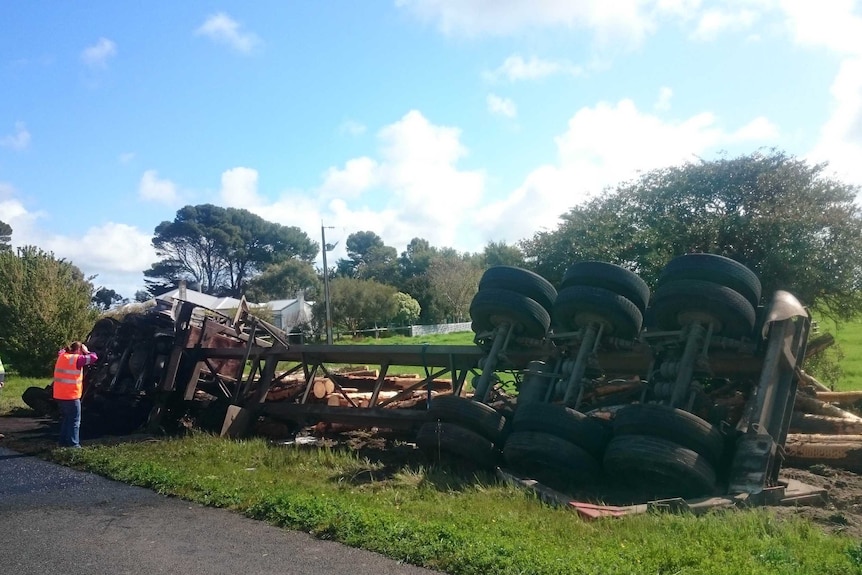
x=459 y=524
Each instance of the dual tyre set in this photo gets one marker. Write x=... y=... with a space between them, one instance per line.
x=655 y=449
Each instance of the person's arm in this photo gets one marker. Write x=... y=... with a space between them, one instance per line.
x=87 y=357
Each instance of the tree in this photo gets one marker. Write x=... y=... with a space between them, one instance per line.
x=368 y=258
x=221 y=249
x=413 y=264
x=796 y=227
x=283 y=280
x=104 y=298
x=407 y=309
x=5 y=237
x=455 y=278
x=45 y=303
x=359 y=304
x=502 y=254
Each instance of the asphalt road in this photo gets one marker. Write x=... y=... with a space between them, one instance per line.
x=56 y=520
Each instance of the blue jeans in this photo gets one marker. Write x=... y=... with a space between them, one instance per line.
x=70 y=422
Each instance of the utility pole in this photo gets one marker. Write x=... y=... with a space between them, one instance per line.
x=325 y=249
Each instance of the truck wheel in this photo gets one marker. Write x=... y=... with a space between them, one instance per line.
x=658 y=467
x=586 y=432
x=680 y=302
x=493 y=307
x=535 y=453
x=520 y=281
x=610 y=277
x=39 y=399
x=713 y=268
x=477 y=417
x=682 y=427
x=439 y=440
x=579 y=306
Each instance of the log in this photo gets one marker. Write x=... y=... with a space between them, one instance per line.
x=818 y=344
x=318 y=389
x=811 y=381
x=842 y=451
x=840 y=397
x=368 y=383
x=285 y=391
x=823 y=424
x=813 y=405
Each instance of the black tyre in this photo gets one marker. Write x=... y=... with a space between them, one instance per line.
x=537 y=454
x=610 y=277
x=579 y=306
x=475 y=416
x=493 y=307
x=658 y=467
x=586 y=432
x=681 y=427
x=713 y=268
x=439 y=440
x=520 y=281
x=681 y=302
x=40 y=400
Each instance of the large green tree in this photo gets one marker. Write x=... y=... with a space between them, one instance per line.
x=792 y=223
x=45 y=303
x=502 y=254
x=283 y=280
x=369 y=258
x=414 y=263
x=221 y=249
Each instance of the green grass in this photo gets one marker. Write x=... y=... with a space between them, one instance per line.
x=462 y=525
x=10 y=395
x=848 y=337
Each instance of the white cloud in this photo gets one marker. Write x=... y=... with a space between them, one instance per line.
x=118 y=248
x=604 y=145
x=239 y=188
x=352 y=128
x=840 y=141
x=17 y=141
x=117 y=253
x=501 y=106
x=836 y=25
x=222 y=28
x=515 y=68
x=621 y=20
x=97 y=55
x=715 y=21
x=411 y=187
x=153 y=189
x=357 y=176
x=664 y=96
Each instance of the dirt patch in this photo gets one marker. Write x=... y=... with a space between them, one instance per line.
x=843 y=510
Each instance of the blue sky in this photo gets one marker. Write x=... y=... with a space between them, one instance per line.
x=459 y=121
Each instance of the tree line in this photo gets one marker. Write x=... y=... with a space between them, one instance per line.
x=792 y=222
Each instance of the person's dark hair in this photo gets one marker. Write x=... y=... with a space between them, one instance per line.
x=74 y=347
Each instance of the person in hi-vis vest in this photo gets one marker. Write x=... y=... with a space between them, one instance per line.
x=68 y=387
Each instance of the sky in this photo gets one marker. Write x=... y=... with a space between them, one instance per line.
x=459 y=121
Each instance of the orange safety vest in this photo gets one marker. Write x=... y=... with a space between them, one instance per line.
x=68 y=378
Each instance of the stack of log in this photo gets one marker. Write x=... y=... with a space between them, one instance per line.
x=355 y=388
x=823 y=427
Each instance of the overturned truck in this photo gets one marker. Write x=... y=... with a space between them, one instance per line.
x=685 y=392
